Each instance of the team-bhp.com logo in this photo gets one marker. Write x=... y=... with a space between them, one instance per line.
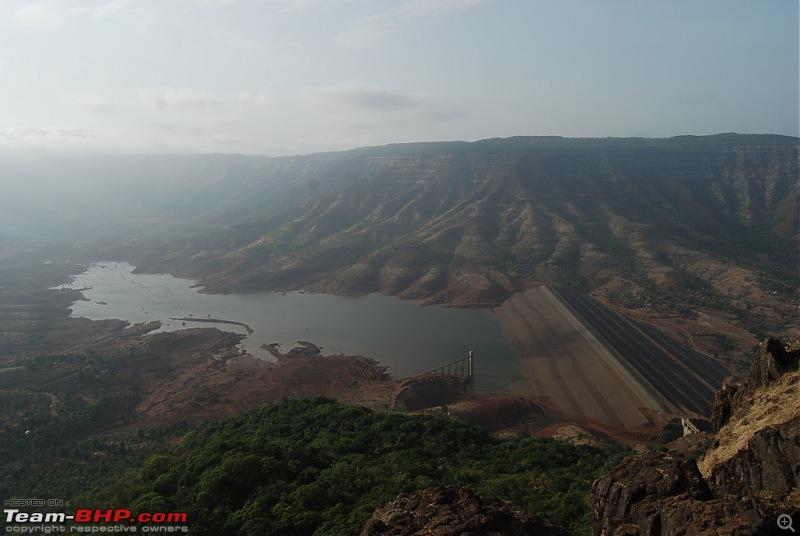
x=93 y=520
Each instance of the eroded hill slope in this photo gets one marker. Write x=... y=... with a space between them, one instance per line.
x=671 y=226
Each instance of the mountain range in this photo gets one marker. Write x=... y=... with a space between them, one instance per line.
x=665 y=225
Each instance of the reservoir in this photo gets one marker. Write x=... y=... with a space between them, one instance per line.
x=400 y=334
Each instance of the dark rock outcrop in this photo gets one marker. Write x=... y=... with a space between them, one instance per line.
x=772 y=361
x=665 y=494
x=454 y=512
x=770 y=463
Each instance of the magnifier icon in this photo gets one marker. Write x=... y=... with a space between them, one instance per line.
x=785 y=522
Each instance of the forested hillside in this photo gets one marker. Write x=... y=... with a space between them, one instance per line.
x=312 y=466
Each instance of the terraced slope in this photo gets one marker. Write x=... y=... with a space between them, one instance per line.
x=594 y=363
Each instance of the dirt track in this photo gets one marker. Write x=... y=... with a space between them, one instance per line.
x=564 y=361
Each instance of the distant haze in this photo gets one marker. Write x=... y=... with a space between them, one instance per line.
x=280 y=77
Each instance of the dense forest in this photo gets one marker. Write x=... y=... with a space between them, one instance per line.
x=313 y=466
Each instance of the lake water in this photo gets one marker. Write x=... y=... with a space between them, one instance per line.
x=400 y=334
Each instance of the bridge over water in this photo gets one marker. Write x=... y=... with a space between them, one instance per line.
x=460 y=368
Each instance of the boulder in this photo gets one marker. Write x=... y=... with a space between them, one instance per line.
x=751 y=482
x=772 y=361
x=664 y=494
x=770 y=463
x=455 y=512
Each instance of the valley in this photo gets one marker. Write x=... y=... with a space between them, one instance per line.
x=686 y=231
x=624 y=282
x=418 y=268
x=634 y=275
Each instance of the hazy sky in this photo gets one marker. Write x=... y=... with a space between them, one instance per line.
x=297 y=76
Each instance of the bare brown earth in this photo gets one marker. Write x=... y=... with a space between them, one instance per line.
x=200 y=374
x=193 y=375
x=47 y=358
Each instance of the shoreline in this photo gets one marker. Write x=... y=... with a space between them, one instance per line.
x=214 y=321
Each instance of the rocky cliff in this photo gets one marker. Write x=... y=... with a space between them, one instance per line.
x=665 y=494
x=757 y=447
x=744 y=483
x=773 y=361
x=455 y=512
x=748 y=479
x=768 y=464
